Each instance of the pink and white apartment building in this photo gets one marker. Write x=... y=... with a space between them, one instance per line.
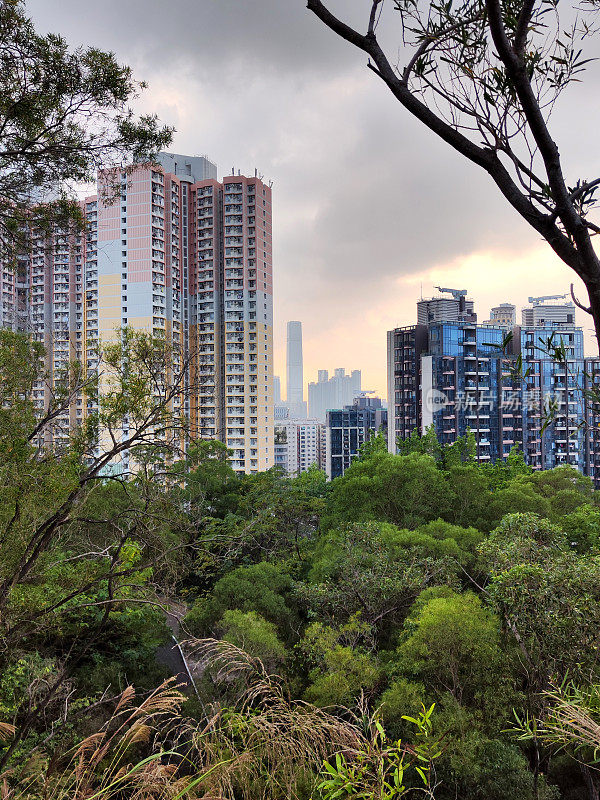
x=178 y=252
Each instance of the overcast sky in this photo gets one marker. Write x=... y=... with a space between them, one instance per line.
x=368 y=207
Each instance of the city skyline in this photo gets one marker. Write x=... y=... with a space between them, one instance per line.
x=376 y=379
x=349 y=270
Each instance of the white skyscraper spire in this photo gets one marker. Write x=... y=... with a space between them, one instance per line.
x=295 y=371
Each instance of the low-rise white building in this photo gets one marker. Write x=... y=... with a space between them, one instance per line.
x=299 y=443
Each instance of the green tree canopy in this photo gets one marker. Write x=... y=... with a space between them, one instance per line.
x=405 y=490
x=64 y=114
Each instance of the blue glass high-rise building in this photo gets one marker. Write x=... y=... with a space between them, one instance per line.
x=553 y=391
x=466 y=385
x=458 y=376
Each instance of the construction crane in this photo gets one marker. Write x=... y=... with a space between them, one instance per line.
x=537 y=300
x=456 y=293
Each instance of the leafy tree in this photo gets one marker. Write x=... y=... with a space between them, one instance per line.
x=274 y=517
x=426 y=444
x=519 y=495
x=471 y=496
x=582 y=527
x=466 y=539
x=453 y=645
x=343 y=666
x=484 y=77
x=565 y=488
x=211 y=485
x=547 y=597
x=481 y=768
x=502 y=472
x=63 y=583
x=263 y=588
x=64 y=114
x=461 y=451
x=405 y=490
x=377 y=570
x=401 y=698
x=375 y=443
x=253 y=634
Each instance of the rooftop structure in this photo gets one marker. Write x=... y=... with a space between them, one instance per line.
x=456 y=308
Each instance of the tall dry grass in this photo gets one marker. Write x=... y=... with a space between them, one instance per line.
x=261 y=746
x=265 y=745
x=107 y=763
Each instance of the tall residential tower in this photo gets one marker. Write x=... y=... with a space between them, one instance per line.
x=174 y=252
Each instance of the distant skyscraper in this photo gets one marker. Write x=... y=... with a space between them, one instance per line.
x=295 y=371
x=459 y=376
x=543 y=314
x=276 y=389
x=335 y=392
x=446 y=309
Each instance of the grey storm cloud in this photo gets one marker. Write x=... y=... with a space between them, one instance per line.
x=228 y=34
x=360 y=187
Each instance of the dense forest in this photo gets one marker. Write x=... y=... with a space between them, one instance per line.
x=431 y=620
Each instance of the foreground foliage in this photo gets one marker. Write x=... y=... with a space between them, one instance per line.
x=414 y=580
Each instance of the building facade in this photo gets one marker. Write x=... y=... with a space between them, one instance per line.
x=299 y=445
x=467 y=385
x=592 y=427
x=503 y=315
x=404 y=349
x=562 y=440
x=456 y=308
x=460 y=376
x=177 y=253
x=348 y=428
x=542 y=313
